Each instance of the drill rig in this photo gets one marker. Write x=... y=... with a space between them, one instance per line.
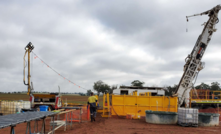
x=52 y=100
x=193 y=61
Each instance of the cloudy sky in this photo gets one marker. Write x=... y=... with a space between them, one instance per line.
x=116 y=41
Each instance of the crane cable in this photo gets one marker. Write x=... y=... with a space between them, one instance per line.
x=36 y=56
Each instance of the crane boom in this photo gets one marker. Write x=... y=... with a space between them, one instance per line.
x=28 y=50
x=193 y=61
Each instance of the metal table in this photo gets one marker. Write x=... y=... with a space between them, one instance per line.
x=13 y=119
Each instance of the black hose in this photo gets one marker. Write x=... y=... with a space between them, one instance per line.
x=217 y=20
x=24 y=68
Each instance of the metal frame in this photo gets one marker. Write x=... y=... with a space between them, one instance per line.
x=14 y=119
x=193 y=61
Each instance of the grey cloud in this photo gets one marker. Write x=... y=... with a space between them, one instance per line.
x=87 y=41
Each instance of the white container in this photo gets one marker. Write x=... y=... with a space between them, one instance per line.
x=19 y=106
x=188 y=116
x=26 y=105
x=7 y=107
x=11 y=107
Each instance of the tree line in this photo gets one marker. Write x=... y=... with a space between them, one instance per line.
x=101 y=87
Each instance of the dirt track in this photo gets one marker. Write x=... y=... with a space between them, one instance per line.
x=123 y=126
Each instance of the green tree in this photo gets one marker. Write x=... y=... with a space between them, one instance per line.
x=215 y=86
x=137 y=83
x=203 y=86
x=97 y=86
x=171 y=90
x=105 y=88
x=89 y=92
x=101 y=87
x=112 y=89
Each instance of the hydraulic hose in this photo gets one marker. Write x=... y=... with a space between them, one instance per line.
x=24 y=67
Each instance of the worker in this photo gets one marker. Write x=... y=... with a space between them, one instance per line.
x=92 y=102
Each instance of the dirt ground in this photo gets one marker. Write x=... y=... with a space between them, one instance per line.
x=121 y=126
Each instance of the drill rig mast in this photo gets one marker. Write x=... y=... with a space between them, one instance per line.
x=52 y=100
x=28 y=50
x=193 y=61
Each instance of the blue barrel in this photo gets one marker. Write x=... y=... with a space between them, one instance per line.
x=43 y=108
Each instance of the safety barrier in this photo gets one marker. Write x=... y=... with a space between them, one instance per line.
x=47 y=123
x=205 y=96
x=207 y=101
x=121 y=105
x=79 y=115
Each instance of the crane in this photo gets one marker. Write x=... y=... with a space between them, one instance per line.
x=193 y=61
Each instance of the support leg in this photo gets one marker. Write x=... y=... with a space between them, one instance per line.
x=71 y=119
x=66 y=122
x=50 y=124
x=43 y=126
x=27 y=127
x=53 y=126
x=35 y=125
x=12 y=130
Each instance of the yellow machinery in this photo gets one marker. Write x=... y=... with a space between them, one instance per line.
x=121 y=105
x=202 y=98
x=106 y=106
x=28 y=50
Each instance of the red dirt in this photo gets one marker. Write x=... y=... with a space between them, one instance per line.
x=122 y=126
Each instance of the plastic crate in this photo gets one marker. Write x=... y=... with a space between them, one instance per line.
x=188 y=116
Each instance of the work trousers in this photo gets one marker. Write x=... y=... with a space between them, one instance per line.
x=93 y=109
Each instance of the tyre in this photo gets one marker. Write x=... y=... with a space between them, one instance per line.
x=37 y=108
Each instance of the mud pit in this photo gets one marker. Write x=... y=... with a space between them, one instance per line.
x=122 y=126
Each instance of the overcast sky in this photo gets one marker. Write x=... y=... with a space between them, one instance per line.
x=116 y=41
